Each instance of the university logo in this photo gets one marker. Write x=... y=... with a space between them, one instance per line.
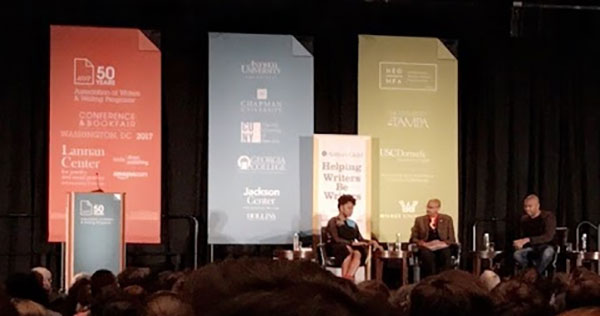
x=243 y=162
x=261 y=104
x=262 y=94
x=261 y=68
x=392 y=152
x=261 y=217
x=408 y=206
x=250 y=132
x=408 y=122
x=261 y=163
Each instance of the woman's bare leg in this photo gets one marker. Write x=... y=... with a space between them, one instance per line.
x=355 y=263
x=346 y=265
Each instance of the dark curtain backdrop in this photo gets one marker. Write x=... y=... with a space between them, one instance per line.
x=529 y=106
x=529 y=123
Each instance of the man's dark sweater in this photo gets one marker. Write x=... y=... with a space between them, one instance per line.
x=540 y=230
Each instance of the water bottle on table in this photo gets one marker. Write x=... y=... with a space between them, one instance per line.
x=296 y=242
x=486 y=242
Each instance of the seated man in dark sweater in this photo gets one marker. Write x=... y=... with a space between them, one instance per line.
x=537 y=231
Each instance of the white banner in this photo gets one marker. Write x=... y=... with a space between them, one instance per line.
x=342 y=165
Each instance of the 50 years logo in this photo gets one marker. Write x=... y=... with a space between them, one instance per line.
x=85 y=73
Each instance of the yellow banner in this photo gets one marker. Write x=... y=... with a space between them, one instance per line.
x=408 y=103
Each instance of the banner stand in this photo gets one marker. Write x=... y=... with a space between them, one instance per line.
x=64 y=287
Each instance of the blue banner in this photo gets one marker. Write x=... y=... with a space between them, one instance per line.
x=260 y=114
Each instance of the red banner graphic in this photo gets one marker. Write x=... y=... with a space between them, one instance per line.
x=105 y=124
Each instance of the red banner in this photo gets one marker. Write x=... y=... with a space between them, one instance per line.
x=105 y=124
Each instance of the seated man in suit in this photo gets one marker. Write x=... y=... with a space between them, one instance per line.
x=433 y=233
x=537 y=231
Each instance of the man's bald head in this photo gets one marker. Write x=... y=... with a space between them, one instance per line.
x=433 y=207
x=531 y=205
x=532 y=197
x=46 y=277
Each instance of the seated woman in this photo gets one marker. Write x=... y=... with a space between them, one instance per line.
x=346 y=243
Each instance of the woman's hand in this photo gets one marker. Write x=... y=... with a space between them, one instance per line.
x=360 y=243
x=376 y=246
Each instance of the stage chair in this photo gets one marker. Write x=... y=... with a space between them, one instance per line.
x=560 y=249
x=456 y=254
x=328 y=262
x=550 y=269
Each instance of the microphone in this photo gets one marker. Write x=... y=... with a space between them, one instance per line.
x=99 y=189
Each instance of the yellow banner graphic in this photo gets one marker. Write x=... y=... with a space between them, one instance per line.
x=408 y=103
